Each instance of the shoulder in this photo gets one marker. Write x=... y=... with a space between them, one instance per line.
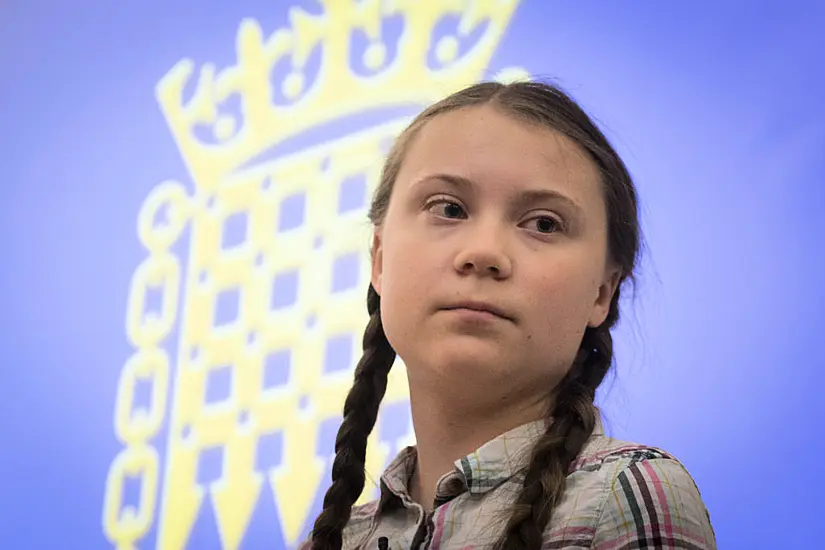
x=360 y=523
x=648 y=498
x=357 y=528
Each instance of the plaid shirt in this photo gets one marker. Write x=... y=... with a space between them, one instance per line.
x=619 y=495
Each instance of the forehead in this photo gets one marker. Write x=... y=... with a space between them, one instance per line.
x=501 y=152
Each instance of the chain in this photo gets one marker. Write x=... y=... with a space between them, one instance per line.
x=125 y=525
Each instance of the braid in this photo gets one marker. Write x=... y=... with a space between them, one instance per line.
x=573 y=422
x=360 y=414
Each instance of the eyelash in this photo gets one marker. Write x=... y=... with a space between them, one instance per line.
x=558 y=221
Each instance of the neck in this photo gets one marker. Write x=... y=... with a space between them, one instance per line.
x=448 y=428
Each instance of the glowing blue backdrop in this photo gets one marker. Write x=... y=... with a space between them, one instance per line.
x=134 y=349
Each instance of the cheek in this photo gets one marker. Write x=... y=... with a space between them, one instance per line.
x=411 y=266
x=403 y=285
x=401 y=279
x=564 y=300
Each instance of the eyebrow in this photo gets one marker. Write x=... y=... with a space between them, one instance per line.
x=525 y=198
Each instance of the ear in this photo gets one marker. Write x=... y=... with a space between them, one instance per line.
x=377 y=256
x=604 y=295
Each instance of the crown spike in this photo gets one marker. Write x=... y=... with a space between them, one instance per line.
x=307 y=31
x=337 y=90
x=369 y=14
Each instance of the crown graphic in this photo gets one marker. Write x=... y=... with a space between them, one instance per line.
x=415 y=69
x=297 y=282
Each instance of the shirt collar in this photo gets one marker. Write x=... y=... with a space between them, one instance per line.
x=478 y=472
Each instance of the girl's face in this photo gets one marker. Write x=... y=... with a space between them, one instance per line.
x=492 y=213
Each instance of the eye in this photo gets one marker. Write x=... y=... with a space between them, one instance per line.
x=547 y=224
x=446 y=209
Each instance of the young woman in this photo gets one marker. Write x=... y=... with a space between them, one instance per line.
x=505 y=227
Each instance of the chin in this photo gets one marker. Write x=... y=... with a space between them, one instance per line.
x=466 y=356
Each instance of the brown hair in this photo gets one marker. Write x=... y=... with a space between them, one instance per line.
x=573 y=413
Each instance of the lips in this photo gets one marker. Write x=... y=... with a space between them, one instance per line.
x=481 y=306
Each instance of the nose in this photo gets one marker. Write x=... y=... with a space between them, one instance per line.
x=484 y=257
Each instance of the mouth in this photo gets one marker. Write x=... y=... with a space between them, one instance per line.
x=481 y=307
